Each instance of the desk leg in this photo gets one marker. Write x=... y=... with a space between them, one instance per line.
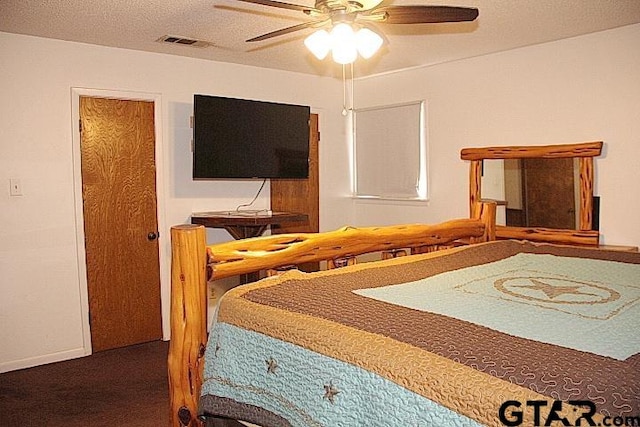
x=245 y=231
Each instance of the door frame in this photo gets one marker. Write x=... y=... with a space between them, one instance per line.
x=163 y=247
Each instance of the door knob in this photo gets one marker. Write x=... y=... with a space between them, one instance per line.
x=152 y=236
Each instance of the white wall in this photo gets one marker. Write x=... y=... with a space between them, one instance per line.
x=41 y=313
x=575 y=90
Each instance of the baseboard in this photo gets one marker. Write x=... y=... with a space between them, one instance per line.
x=14 y=365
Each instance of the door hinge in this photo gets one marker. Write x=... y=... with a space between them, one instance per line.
x=80 y=125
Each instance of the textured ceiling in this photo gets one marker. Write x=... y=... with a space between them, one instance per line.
x=225 y=24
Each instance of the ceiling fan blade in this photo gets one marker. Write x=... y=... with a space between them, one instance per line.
x=421 y=14
x=287 y=30
x=282 y=5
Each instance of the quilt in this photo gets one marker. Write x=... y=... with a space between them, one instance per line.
x=502 y=333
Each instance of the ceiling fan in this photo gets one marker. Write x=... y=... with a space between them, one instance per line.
x=344 y=15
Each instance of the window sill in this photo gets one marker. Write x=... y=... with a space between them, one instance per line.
x=389 y=200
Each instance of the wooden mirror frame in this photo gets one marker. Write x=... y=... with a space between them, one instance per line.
x=584 y=152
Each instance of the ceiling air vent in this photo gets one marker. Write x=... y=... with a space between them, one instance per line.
x=184 y=41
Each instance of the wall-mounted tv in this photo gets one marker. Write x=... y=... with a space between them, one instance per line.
x=240 y=139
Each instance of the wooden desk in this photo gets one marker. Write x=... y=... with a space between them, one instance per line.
x=242 y=225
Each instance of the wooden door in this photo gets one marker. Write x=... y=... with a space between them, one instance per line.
x=301 y=195
x=120 y=221
x=549 y=189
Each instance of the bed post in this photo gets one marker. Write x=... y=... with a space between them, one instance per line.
x=486 y=212
x=188 y=322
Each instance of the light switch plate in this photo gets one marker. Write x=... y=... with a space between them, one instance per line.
x=15 y=187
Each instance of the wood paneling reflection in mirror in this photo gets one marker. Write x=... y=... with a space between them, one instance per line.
x=537 y=192
x=547 y=191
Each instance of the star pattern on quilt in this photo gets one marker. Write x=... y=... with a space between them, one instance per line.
x=557 y=290
x=552 y=291
x=330 y=392
x=272 y=365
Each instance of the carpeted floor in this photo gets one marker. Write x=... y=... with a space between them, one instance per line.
x=122 y=387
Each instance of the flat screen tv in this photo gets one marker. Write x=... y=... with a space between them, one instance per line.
x=243 y=139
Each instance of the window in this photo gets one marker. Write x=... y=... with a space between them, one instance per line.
x=389 y=152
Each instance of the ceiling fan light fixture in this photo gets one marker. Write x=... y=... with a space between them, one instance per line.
x=344 y=43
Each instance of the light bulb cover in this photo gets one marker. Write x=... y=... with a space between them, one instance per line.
x=343 y=44
x=368 y=42
x=319 y=43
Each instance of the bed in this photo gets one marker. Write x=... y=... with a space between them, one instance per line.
x=464 y=331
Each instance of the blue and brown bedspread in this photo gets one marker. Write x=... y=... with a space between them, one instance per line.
x=440 y=339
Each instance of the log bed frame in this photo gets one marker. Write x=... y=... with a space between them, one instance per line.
x=193 y=264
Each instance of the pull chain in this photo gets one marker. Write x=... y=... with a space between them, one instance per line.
x=344 y=90
x=346 y=107
x=352 y=86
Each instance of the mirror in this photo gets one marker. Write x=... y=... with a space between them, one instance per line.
x=544 y=193
x=534 y=192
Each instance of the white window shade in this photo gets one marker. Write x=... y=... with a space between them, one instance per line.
x=390 y=152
